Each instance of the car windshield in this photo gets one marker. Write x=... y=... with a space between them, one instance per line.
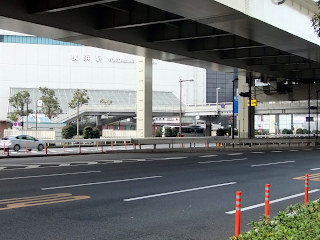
x=4 y=138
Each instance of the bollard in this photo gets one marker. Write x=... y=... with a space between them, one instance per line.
x=46 y=148
x=125 y=145
x=306 y=189
x=139 y=146
x=207 y=144
x=267 y=201
x=97 y=146
x=134 y=146
x=79 y=148
x=64 y=147
x=111 y=145
x=238 y=213
x=8 y=152
x=102 y=148
x=4 y=148
x=26 y=147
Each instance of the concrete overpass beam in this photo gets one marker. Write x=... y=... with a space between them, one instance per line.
x=144 y=97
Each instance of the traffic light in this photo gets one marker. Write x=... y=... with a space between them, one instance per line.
x=244 y=94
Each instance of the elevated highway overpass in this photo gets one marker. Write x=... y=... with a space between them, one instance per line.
x=270 y=41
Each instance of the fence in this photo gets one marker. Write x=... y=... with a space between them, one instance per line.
x=37 y=134
x=111 y=133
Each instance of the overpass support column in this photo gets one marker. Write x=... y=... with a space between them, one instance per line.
x=274 y=124
x=144 y=97
x=243 y=115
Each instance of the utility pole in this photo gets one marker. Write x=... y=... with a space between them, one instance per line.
x=180 y=108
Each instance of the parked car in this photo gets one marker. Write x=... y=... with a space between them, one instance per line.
x=21 y=142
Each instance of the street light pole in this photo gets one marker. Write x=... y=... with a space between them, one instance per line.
x=217 y=98
x=317 y=114
x=180 y=108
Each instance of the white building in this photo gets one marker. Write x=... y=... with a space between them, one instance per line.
x=32 y=62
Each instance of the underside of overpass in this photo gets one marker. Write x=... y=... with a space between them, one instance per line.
x=203 y=33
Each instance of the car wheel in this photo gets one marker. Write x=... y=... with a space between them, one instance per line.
x=40 y=147
x=16 y=148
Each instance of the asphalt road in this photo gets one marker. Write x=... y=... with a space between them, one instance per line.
x=150 y=196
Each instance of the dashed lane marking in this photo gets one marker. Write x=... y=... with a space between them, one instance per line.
x=49 y=175
x=98 y=183
x=273 y=163
x=234 y=154
x=176 y=192
x=39 y=200
x=276 y=151
x=227 y=160
x=293 y=150
x=206 y=156
x=271 y=202
x=32 y=166
x=257 y=152
x=172 y=158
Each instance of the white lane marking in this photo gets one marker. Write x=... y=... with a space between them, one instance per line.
x=228 y=160
x=273 y=201
x=273 y=163
x=276 y=151
x=92 y=163
x=69 y=150
x=64 y=164
x=32 y=166
x=234 y=154
x=49 y=175
x=117 y=161
x=206 y=156
x=293 y=150
x=1 y=168
x=308 y=149
x=97 y=183
x=257 y=152
x=313 y=169
x=179 y=191
x=54 y=151
x=171 y=158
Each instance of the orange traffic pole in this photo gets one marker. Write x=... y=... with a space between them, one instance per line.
x=306 y=189
x=79 y=148
x=102 y=148
x=139 y=146
x=26 y=147
x=64 y=147
x=97 y=146
x=125 y=145
x=267 y=201
x=4 y=148
x=238 y=213
x=46 y=148
x=111 y=145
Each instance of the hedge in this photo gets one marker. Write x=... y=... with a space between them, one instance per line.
x=297 y=222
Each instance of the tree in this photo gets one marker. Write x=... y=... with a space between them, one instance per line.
x=105 y=102
x=79 y=97
x=316 y=21
x=68 y=131
x=51 y=106
x=18 y=101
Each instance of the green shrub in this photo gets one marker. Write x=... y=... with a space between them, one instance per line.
x=287 y=131
x=299 y=131
x=95 y=133
x=168 y=132
x=305 y=131
x=68 y=131
x=220 y=132
x=158 y=133
x=87 y=132
x=175 y=132
x=295 y=223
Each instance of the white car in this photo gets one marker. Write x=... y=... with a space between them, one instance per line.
x=21 y=142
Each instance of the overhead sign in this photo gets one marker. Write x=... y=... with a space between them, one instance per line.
x=253 y=103
x=236 y=104
x=39 y=103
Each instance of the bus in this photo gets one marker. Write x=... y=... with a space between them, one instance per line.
x=186 y=131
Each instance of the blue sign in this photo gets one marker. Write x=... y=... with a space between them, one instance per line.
x=276 y=124
x=236 y=104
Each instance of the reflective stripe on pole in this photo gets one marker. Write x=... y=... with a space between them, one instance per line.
x=238 y=213
x=267 y=199
x=79 y=148
x=306 y=189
